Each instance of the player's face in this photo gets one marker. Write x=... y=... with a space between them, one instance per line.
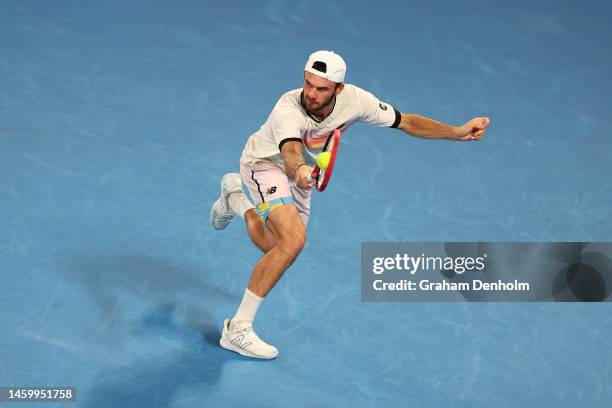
x=318 y=92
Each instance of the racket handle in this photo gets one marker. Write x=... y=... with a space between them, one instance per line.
x=313 y=176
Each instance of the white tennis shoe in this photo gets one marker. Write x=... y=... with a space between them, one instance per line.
x=241 y=338
x=221 y=214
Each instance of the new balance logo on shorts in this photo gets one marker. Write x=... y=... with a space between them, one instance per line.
x=271 y=190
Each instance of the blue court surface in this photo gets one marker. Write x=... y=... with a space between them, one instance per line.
x=117 y=120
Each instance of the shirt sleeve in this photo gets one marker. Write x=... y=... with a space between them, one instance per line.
x=286 y=126
x=375 y=112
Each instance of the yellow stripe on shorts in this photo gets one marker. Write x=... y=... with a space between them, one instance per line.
x=264 y=209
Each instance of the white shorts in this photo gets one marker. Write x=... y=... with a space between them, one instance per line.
x=269 y=187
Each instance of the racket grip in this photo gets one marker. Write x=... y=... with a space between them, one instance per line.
x=313 y=176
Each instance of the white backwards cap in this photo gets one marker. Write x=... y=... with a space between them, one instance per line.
x=326 y=64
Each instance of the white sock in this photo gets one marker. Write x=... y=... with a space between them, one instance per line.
x=239 y=203
x=248 y=307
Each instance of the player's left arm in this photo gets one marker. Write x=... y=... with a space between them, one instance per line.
x=421 y=126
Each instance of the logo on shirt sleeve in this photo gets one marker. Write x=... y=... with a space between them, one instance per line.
x=383 y=107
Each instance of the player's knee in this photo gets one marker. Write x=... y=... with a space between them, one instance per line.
x=292 y=240
x=288 y=229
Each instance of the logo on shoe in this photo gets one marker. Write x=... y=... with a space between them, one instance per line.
x=271 y=190
x=239 y=341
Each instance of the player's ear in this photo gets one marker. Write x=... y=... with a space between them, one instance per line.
x=339 y=88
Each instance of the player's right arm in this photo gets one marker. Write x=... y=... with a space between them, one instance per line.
x=294 y=164
x=286 y=124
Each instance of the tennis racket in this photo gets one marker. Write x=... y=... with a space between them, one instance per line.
x=321 y=176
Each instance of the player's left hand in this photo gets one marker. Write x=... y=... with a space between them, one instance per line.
x=474 y=129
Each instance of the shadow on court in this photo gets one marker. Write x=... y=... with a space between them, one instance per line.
x=147 y=382
x=177 y=340
x=104 y=278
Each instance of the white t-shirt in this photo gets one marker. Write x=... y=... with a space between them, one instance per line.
x=289 y=121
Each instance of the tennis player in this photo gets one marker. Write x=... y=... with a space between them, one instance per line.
x=275 y=165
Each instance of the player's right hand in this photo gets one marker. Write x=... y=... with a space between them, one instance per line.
x=301 y=177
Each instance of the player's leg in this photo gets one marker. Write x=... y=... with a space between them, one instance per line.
x=290 y=234
x=283 y=231
x=286 y=227
x=285 y=209
x=289 y=231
